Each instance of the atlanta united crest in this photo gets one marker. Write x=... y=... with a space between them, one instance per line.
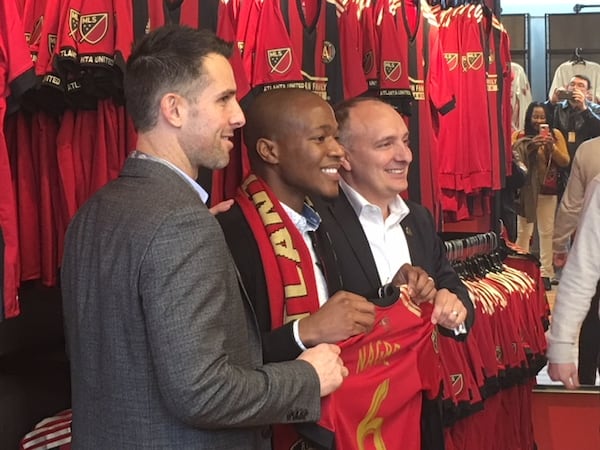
x=328 y=53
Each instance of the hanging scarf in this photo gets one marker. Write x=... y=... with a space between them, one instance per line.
x=287 y=263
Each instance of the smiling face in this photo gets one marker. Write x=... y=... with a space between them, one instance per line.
x=377 y=148
x=538 y=116
x=212 y=116
x=308 y=154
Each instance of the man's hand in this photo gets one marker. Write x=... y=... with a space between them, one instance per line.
x=554 y=99
x=559 y=259
x=565 y=373
x=221 y=207
x=421 y=287
x=448 y=310
x=578 y=100
x=325 y=359
x=345 y=314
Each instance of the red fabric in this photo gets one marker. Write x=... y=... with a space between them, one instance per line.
x=15 y=67
x=52 y=433
x=286 y=259
x=391 y=367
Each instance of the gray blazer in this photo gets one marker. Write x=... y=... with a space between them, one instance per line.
x=165 y=354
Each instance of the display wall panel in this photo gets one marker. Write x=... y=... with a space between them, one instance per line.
x=517 y=26
x=567 y=32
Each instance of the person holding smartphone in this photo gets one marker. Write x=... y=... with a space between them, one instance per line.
x=574 y=113
x=544 y=151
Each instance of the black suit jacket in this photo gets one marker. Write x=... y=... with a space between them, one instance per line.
x=279 y=344
x=356 y=261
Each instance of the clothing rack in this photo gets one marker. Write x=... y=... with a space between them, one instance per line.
x=478 y=244
x=578 y=7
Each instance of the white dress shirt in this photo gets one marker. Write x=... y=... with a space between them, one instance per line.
x=386 y=237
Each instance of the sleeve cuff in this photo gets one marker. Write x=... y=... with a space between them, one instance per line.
x=297 y=335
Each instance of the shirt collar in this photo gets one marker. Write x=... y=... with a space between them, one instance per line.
x=199 y=189
x=307 y=220
x=398 y=207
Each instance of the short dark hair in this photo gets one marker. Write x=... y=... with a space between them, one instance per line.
x=168 y=59
x=584 y=78
x=342 y=114
x=272 y=114
x=527 y=127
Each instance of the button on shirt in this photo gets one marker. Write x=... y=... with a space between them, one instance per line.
x=386 y=237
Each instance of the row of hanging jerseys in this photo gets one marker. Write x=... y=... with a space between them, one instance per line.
x=484 y=383
x=404 y=51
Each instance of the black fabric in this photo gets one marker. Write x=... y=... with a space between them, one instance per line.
x=1 y=276
x=279 y=344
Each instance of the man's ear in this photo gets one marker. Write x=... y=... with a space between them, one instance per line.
x=346 y=160
x=267 y=150
x=173 y=108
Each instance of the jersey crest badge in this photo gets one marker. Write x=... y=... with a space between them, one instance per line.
x=328 y=53
x=51 y=43
x=93 y=27
x=36 y=33
x=451 y=60
x=392 y=70
x=73 y=22
x=368 y=61
x=280 y=59
x=458 y=383
x=475 y=60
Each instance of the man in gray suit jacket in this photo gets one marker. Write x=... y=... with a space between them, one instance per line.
x=164 y=352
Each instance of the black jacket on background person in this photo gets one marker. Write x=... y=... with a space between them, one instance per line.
x=575 y=125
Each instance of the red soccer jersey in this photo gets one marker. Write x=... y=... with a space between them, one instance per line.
x=297 y=49
x=16 y=76
x=379 y=403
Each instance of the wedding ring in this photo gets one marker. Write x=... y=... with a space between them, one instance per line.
x=455 y=313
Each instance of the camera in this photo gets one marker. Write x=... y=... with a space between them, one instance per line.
x=564 y=95
x=544 y=130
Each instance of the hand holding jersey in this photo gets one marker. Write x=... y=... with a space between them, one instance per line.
x=344 y=315
x=330 y=370
x=449 y=311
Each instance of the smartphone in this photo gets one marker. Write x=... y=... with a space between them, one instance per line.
x=564 y=95
x=544 y=130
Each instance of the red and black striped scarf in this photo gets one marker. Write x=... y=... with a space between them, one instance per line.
x=287 y=263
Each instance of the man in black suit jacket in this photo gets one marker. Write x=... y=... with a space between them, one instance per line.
x=294 y=154
x=369 y=215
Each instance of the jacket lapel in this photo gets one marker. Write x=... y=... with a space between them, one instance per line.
x=409 y=226
x=348 y=222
